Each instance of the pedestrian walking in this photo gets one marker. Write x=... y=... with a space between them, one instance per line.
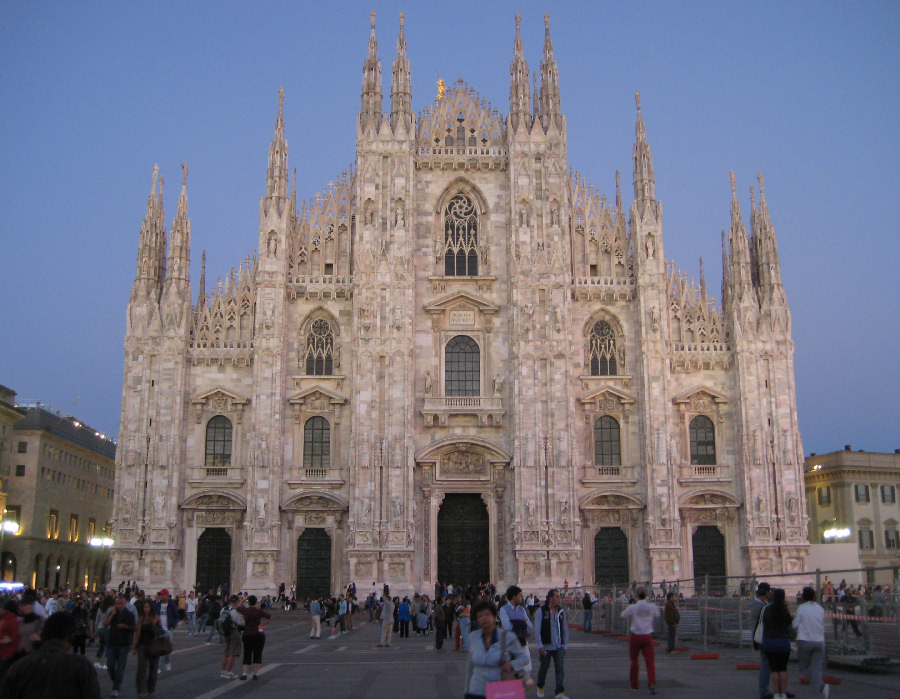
x=167 y=610
x=551 y=630
x=254 y=637
x=52 y=670
x=213 y=611
x=493 y=652
x=587 y=605
x=809 y=621
x=101 y=631
x=387 y=621
x=642 y=615
x=147 y=665
x=315 y=617
x=9 y=634
x=232 y=627
x=756 y=608
x=190 y=611
x=777 y=624
x=672 y=617
x=120 y=623
x=463 y=614
x=403 y=616
x=514 y=617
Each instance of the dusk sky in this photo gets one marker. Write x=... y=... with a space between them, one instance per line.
x=92 y=95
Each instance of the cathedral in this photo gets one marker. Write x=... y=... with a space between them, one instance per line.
x=460 y=362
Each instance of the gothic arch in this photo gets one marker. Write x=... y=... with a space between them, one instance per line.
x=462 y=185
x=333 y=501
x=618 y=358
x=218 y=499
x=708 y=497
x=494 y=452
x=314 y=315
x=617 y=498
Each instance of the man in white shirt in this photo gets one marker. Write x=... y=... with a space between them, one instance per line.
x=642 y=614
x=810 y=624
x=514 y=617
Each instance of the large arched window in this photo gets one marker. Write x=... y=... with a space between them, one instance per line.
x=316 y=443
x=218 y=442
x=460 y=237
x=703 y=441
x=319 y=349
x=607 y=447
x=602 y=349
x=462 y=364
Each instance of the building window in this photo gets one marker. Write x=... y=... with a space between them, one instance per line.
x=891 y=539
x=22 y=447
x=861 y=493
x=316 y=443
x=866 y=539
x=602 y=349
x=53 y=525
x=218 y=442
x=320 y=349
x=460 y=237
x=13 y=513
x=92 y=529
x=73 y=527
x=607 y=447
x=20 y=470
x=703 y=441
x=462 y=364
x=888 y=494
x=824 y=495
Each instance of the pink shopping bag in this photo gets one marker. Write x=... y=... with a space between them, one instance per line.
x=507 y=689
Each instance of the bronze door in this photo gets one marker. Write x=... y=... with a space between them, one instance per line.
x=463 y=545
x=611 y=557
x=708 y=545
x=213 y=559
x=313 y=564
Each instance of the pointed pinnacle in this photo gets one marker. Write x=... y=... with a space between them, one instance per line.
x=155 y=175
x=184 y=170
x=759 y=178
x=372 y=19
x=637 y=101
x=618 y=190
x=733 y=189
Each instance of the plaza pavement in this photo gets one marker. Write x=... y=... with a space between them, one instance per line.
x=352 y=667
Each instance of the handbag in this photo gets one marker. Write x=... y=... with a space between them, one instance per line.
x=505 y=689
x=160 y=645
x=758 y=634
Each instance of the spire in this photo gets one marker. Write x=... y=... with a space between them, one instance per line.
x=726 y=281
x=276 y=181
x=519 y=93
x=178 y=270
x=618 y=191
x=536 y=97
x=644 y=183
x=768 y=263
x=151 y=244
x=740 y=274
x=370 y=111
x=401 y=91
x=550 y=108
x=201 y=295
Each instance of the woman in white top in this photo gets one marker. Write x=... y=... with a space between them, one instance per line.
x=810 y=624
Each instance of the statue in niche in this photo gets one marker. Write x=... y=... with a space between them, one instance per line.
x=399 y=217
x=396 y=508
x=159 y=506
x=530 y=507
x=272 y=246
x=664 y=511
x=792 y=509
x=366 y=511
x=563 y=511
x=498 y=384
x=144 y=532
x=429 y=383
x=554 y=214
x=651 y=249
x=260 y=508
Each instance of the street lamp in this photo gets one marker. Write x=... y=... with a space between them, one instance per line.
x=12 y=528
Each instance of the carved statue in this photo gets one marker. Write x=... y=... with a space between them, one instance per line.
x=792 y=509
x=396 y=508
x=399 y=218
x=650 y=248
x=159 y=506
x=429 y=383
x=498 y=384
x=366 y=512
x=530 y=507
x=563 y=511
x=144 y=532
x=260 y=508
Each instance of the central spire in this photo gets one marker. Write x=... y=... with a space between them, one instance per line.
x=519 y=92
x=370 y=110
x=401 y=91
x=277 y=173
x=550 y=108
x=644 y=182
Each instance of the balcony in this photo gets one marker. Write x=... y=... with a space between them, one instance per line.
x=695 y=473
x=595 y=475
x=317 y=477
x=234 y=476
x=488 y=410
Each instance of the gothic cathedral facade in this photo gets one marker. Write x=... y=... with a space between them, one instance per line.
x=459 y=362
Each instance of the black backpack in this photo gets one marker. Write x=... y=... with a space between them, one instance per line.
x=226 y=621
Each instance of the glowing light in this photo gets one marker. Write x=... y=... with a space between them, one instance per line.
x=442 y=88
x=836 y=533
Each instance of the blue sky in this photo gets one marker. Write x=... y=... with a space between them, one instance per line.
x=93 y=94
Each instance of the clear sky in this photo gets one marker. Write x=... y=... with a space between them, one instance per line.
x=93 y=94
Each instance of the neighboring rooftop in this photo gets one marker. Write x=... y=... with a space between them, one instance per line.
x=68 y=428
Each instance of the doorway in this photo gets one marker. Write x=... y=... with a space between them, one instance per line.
x=611 y=557
x=463 y=540
x=313 y=564
x=214 y=560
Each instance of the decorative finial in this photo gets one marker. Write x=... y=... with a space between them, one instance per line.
x=752 y=198
x=733 y=190
x=280 y=97
x=518 y=22
x=441 y=88
x=637 y=100
x=759 y=178
x=402 y=20
x=155 y=175
x=372 y=19
x=184 y=169
x=547 y=21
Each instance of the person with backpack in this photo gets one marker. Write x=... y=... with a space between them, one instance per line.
x=232 y=624
x=551 y=630
x=167 y=610
x=213 y=612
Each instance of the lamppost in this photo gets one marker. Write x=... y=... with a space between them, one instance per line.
x=12 y=528
x=102 y=542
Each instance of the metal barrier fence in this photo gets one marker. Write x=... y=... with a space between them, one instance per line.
x=859 y=630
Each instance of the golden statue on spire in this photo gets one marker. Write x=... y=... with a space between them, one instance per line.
x=442 y=89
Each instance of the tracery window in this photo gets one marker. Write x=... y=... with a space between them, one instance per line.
x=218 y=442
x=602 y=349
x=462 y=367
x=319 y=349
x=607 y=445
x=460 y=237
x=316 y=443
x=703 y=441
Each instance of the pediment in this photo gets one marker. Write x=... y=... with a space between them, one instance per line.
x=315 y=500
x=317 y=395
x=604 y=394
x=610 y=499
x=214 y=500
x=699 y=394
x=223 y=397
x=709 y=498
x=462 y=299
x=434 y=451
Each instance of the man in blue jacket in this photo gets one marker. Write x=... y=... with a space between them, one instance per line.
x=551 y=630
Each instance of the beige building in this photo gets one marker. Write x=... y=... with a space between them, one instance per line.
x=852 y=497
x=59 y=488
x=459 y=361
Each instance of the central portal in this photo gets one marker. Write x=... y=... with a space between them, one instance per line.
x=463 y=540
